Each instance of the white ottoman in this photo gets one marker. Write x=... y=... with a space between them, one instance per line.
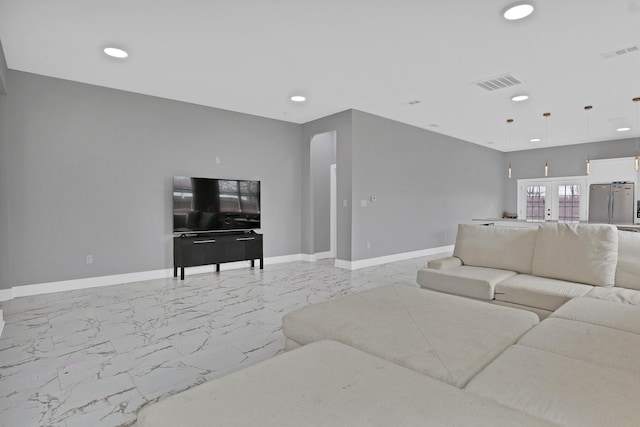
x=328 y=384
x=447 y=337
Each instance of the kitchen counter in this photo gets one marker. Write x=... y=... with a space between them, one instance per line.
x=506 y=222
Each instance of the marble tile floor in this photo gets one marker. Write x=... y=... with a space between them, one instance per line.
x=94 y=357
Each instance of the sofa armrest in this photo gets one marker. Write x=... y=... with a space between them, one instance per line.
x=444 y=263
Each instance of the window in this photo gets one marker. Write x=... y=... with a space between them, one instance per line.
x=569 y=203
x=536 y=202
x=552 y=199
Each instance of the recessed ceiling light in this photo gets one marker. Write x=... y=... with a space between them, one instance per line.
x=535 y=140
x=298 y=98
x=623 y=129
x=519 y=98
x=518 y=10
x=115 y=52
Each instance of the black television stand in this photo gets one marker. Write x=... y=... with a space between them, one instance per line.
x=191 y=250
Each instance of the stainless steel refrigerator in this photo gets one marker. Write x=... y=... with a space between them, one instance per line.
x=611 y=203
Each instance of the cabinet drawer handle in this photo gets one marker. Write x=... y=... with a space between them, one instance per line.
x=196 y=242
x=245 y=238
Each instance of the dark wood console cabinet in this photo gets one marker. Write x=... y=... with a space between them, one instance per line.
x=215 y=248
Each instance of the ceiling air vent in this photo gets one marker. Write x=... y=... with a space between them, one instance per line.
x=619 y=52
x=498 y=82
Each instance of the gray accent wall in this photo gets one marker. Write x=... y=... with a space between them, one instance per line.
x=568 y=160
x=341 y=123
x=425 y=184
x=88 y=171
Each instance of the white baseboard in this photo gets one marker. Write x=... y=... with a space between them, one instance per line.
x=282 y=259
x=89 y=282
x=307 y=257
x=119 y=279
x=323 y=255
x=317 y=256
x=340 y=263
x=370 y=262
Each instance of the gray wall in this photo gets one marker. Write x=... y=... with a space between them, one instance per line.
x=3 y=71
x=425 y=184
x=4 y=201
x=323 y=155
x=89 y=172
x=341 y=123
x=568 y=160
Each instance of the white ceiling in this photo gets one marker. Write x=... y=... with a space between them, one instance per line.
x=371 y=55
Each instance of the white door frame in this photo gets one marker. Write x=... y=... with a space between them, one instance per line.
x=333 y=218
x=552 y=201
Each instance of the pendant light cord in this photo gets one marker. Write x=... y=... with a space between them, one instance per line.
x=509 y=121
x=546 y=142
x=588 y=108
x=637 y=160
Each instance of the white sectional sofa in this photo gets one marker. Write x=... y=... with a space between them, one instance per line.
x=580 y=367
x=418 y=357
x=539 y=269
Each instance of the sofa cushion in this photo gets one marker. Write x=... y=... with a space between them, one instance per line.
x=444 y=263
x=540 y=292
x=328 y=384
x=444 y=336
x=628 y=267
x=506 y=248
x=582 y=253
x=468 y=281
x=625 y=317
x=593 y=343
x=560 y=389
x=626 y=296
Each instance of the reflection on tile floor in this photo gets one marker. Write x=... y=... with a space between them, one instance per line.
x=94 y=357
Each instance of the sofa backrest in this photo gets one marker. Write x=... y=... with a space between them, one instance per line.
x=582 y=253
x=628 y=268
x=507 y=248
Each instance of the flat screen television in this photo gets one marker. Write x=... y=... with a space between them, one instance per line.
x=207 y=204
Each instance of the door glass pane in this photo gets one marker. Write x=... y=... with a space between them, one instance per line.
x=536 y=195
x=569 y=203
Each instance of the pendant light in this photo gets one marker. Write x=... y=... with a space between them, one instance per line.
x=509 y=121
x=546 y=142
x=637 y=162
x=588 y=109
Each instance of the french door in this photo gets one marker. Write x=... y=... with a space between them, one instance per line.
x=554 y=199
